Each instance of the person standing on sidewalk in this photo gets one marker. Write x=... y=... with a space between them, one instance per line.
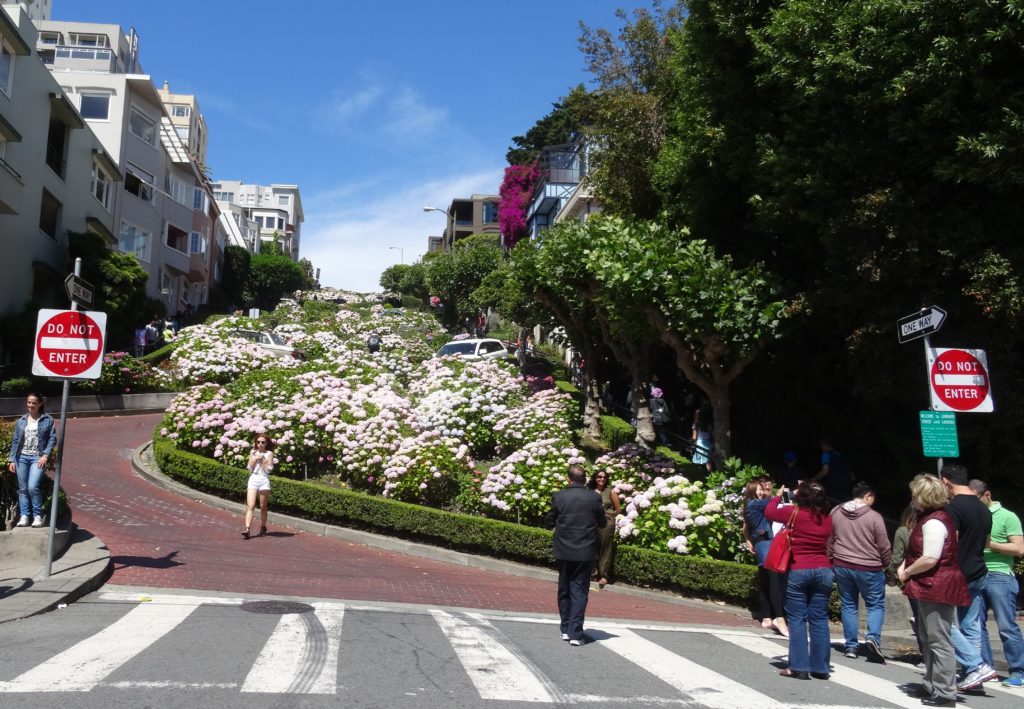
x=576 y=514
x=973 y=524
x=35 y=435
x=1001 y=587
x=930 y=574
x=860 y=551
x=606 y=537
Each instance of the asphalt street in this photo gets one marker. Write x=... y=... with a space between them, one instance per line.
x=133 y=647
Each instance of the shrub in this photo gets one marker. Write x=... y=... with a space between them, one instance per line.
x=16 y=386
x=616 y=431
x=124 y=374
x=520 y=487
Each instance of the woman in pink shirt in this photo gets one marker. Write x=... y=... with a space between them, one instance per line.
x=810 y=580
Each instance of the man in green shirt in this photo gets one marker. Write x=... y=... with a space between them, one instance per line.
x=1001 y=587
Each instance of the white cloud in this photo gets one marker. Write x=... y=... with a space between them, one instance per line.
x=345 y=108
x=348 y=235
x=409 y=116
x=393 y=111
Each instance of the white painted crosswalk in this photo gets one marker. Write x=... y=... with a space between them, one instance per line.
x=318 y=648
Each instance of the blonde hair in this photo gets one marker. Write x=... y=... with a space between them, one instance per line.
x=929 y=492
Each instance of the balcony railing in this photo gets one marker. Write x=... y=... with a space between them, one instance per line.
x=84 y=59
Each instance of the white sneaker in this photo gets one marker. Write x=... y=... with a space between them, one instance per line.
x=976 y=678
x=576 y=643
x=37 y=521
x=22 y=521
x=565 y=636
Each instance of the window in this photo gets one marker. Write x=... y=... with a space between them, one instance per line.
x=177 y=239
x=216 y=271
x=3 y=146
x=166 y=283
x=6 y=67
x=181 y=111
x=197 y=244
x=138 y=182
x=142 y=126
x=56 y=146
x=490 y=212
x=100 y=186
x=49 y=37
x=177 y=189
x=134 y=240
x=87 y=40
x=282 y=200
x=49 y=214
x=95 y=106
x=182 y=132
x=280 y=222
x=198 y=199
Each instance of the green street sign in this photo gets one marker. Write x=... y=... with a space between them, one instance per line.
x=938 y=434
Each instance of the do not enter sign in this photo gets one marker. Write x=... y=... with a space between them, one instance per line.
x=959 y=380
x=69 y=344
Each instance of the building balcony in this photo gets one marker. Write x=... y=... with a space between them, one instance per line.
x=94 y=59
x=199 y=270
x=176 y=261
x=11 y=188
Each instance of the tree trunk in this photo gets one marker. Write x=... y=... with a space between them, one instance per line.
x=722 y=431
x=641 y=391
x=592 y=408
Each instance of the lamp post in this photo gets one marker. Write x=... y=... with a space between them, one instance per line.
x=451 y=223
x=401 y=253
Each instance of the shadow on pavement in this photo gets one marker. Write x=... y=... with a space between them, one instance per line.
x=166 y=561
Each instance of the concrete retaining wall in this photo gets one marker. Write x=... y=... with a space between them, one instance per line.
x=92 y=403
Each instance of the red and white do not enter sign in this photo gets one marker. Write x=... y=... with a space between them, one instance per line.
x=69 y=344
x=959 y=380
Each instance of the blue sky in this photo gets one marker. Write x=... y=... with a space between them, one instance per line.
x=374 y=109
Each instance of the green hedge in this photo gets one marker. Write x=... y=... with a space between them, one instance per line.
x=616 y=431
x=692 y=576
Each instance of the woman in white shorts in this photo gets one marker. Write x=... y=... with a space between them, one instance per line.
x=261 y=463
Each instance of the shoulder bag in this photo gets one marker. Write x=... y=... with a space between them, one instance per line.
x=780 y=553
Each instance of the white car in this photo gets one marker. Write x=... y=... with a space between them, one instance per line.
x=269 y=342
x=474 y=349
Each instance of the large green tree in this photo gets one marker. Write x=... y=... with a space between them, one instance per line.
x=454 y=275
x=271 y=277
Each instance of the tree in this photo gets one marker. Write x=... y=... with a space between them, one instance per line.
x=553 y=271
x=625 y=119
x=120 y=283
x=235 y=275
x=309 y=281
x=454 y=275
x=271 y=276
x=391 y=278
x=564 y=124
x=714 y=316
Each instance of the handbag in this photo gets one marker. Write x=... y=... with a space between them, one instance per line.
x=780 y=553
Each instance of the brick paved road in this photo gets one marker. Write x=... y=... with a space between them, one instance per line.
x=159 y=539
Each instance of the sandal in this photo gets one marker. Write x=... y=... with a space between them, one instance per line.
x=794 y=674
x=263 y=532
x=602 y=583
x=245 y=533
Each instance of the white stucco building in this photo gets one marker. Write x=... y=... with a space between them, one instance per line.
x=277 y=210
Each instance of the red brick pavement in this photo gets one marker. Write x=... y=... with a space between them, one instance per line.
x=159 y=539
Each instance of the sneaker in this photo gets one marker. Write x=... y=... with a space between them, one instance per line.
x=565 y=636
x=873 y=650
x=22 y=521
x=576 y=643
x=1016 y=679
x=37 y=521
x=976 y=677
x=851 y=652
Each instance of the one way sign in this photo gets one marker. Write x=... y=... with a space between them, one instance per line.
x=926 y=321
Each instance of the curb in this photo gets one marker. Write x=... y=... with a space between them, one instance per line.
x=418 y=549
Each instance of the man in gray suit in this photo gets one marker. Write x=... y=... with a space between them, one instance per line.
x=576 y=514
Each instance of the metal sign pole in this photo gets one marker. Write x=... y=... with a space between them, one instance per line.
x=928 y=368
x=60 y=454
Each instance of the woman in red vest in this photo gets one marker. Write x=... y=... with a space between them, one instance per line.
x=931 y=576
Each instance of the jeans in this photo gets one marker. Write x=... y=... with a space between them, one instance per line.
x=967 y=633
x=573 y=593
x=29 y=475
x=870 y=585
x=1000 y=595
x=807 y=612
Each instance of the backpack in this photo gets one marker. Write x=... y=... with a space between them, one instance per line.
x=659 y=410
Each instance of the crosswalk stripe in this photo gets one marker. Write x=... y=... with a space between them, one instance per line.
x=301 y=655
x=496 y=672
x=83 y=665
x=862 y=682
x=708 y=688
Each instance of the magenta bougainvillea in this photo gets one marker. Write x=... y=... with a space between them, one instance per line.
x=516 y=191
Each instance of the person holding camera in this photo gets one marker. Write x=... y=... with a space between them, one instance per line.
x=757 y=530
x=261 y=463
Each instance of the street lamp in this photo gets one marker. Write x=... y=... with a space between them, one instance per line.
x=401 y=253
x=451 y=221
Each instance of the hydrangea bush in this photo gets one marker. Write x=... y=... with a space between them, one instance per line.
x=124 y=374
x=407 y=425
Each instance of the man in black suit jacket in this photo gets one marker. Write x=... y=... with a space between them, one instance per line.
x=576 y=514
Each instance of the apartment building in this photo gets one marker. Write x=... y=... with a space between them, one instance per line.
x=477 y=214
x=562 y=170
x=277 y=211
x=188 y=122
x=56 y=175
x=163 y=213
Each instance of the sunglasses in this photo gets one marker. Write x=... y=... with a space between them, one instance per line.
x=259 y=442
